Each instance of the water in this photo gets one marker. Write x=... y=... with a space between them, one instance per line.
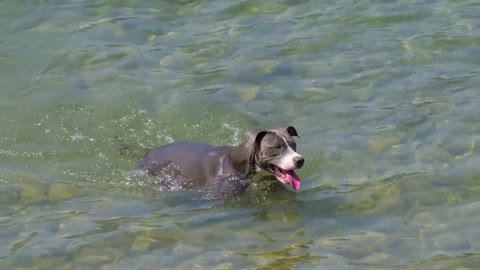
x=384 y=95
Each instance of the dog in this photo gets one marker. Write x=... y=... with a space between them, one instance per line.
x=227 y=170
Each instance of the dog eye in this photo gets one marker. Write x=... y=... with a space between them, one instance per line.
x=278 y=147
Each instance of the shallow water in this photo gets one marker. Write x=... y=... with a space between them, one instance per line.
x=384 y=95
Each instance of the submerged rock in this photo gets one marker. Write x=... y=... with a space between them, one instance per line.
x=250 y=93
x=267 y=67
x=208 y=260
x=185 y=249
x=381 y=143
x=438 y=155
x=77 y=225
x=95 y=257
x=38 y=262
x=458 y=147
x=378 y=200
x=142 y=243
x=376 y=258
x=452 y=241
x=362 y=94
x=262 y=106
x=102 y=252
x=10 y=194
x=313 y=95
x=33 y=192
x=145 y=240
x=60 y=191
x=364 y=244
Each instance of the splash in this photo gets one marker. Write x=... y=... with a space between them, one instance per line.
x=103 y=146
x=235 y=133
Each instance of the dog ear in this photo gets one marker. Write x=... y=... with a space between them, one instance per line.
x=254 y=137
x=259 y=137
x=291 y=131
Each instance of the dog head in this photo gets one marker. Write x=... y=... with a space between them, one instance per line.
x=275 y=152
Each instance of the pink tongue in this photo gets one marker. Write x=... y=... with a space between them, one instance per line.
x=292 y=178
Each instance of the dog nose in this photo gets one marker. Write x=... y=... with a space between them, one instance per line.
x=298 y=162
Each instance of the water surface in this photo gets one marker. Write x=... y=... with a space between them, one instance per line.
x=384 y=95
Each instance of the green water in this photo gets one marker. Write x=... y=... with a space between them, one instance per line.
x=385 y=96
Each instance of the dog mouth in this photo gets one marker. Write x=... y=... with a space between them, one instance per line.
x=288 y=177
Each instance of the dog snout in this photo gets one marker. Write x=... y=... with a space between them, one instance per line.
x=298 y=161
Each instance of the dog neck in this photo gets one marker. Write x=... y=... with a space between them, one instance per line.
x=243 y=160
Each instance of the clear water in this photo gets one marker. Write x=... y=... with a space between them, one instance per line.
x=385 y=96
